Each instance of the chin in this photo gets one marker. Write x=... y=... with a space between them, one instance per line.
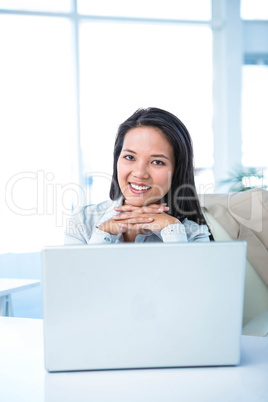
x=141 y=201
x=135 y=201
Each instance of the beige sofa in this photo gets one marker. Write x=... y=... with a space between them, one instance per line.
x=244 y=216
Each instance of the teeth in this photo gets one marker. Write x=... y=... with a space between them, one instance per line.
x=139 y=187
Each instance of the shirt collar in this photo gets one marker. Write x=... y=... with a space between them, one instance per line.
x=110 y=212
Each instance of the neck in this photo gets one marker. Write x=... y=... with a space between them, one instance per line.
x=130 y=236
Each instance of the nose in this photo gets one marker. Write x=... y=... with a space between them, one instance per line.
x=141 y=171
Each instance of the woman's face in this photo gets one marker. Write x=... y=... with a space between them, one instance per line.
x=145 y=166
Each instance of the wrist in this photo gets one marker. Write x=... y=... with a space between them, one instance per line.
x=172 y=220
x=110 y=227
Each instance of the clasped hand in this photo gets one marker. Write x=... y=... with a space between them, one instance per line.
x=140 y=219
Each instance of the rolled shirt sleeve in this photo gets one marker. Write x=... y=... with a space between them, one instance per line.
x=188 y=231
x=195 y=232
x=175 y=233
x=101 y=237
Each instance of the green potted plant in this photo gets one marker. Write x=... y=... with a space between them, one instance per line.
x=244 y=178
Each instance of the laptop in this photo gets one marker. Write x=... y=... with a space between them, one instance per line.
x=126 y=306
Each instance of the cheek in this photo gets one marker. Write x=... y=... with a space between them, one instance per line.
x=122 y=170
x=165 y=178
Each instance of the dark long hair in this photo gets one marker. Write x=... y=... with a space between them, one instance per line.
x=182 y=197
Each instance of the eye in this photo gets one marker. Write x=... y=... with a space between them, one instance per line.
x=159 y=163
x=129 y=157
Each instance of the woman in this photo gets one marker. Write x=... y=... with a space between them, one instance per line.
x=152 y=195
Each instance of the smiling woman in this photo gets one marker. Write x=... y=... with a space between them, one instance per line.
x=145 y=166
x=152 y=191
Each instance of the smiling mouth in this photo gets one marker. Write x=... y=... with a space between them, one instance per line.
x=136 y=188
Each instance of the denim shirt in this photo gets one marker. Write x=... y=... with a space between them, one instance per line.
x=82 y=228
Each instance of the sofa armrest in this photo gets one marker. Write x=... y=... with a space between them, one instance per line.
x=257 y=326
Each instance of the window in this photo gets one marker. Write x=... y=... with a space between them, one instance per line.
x=40 y=5
x=38 y=129
x=170 y=9
x=255 y=85
x=254 y=9
x=134 y=65
x=254 y=116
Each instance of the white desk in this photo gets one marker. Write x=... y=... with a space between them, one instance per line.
x=9 y=286
x=23 y=378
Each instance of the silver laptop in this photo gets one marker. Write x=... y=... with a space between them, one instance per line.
x=143 y=305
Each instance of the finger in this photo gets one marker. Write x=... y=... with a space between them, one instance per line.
x=153 y=209
x=155 y=206
x=122 y=216
x=135 y=226
x=126 y=208
x=132 y=217
x=138 y=220
x=142 y=211
x=163 y=204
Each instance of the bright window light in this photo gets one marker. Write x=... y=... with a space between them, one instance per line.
x=254 y=9
x=254 y=115
x=38 y=130
x=140 y=65
x=171 y=9
x=34 y=5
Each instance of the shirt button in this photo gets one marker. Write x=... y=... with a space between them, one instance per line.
x=107 y=239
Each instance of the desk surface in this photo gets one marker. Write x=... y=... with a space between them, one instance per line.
x=8 y=286
x=23 y=378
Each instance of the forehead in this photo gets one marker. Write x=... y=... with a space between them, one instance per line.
x=147 y=138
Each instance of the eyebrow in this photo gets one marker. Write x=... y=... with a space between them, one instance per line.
x=154 y=156
x=160 y=156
